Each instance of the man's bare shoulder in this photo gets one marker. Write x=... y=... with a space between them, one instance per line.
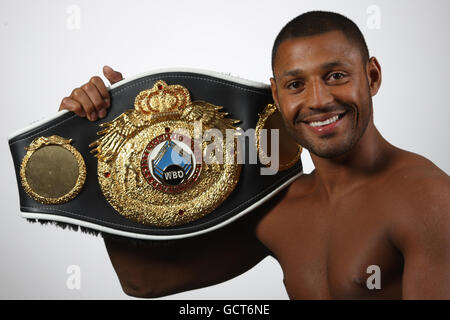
x=418 y=195
x=411 y=173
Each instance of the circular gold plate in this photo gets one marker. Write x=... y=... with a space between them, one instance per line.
x=52 y=171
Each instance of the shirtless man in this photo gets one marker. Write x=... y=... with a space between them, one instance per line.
x=366 y=203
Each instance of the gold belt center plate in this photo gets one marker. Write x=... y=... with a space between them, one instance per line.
x=149 y=167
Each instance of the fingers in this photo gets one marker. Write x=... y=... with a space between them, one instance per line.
x=112 y=75
x=100 y=86
x=72 y=105
x=82 y=97
x=91 y=100
x=98 y=101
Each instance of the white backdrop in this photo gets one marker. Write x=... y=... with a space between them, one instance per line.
x=50 y=47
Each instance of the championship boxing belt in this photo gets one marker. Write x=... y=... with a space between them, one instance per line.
x=161 y=164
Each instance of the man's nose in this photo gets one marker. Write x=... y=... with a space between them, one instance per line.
x=318 y=94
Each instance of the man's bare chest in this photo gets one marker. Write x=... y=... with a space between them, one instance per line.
x=341 y=251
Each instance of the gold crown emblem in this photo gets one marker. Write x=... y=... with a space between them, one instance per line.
x=162 y=98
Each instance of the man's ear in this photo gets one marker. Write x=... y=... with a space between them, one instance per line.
x=373 y=70
x=273 y=86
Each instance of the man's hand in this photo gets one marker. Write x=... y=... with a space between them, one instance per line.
x=92 y=98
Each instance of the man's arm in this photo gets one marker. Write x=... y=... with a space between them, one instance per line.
x=180 y=265
x=156 y=270
x=422 y=234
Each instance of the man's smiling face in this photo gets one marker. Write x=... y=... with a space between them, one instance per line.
x=322 y=89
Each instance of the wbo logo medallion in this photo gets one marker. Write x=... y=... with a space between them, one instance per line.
x=168 y=163
x=151 y=166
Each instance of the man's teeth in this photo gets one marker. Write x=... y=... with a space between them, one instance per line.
x=325 y=122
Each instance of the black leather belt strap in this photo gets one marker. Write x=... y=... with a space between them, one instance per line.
x=240 y=99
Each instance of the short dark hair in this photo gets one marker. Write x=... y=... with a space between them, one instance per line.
x=318 y=22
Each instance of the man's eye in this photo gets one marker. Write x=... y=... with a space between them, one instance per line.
x=336 y=76
x=294 y=85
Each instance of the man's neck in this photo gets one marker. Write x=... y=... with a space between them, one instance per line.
x=339 y=175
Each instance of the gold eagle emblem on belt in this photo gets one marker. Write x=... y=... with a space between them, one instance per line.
x=151 y=165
